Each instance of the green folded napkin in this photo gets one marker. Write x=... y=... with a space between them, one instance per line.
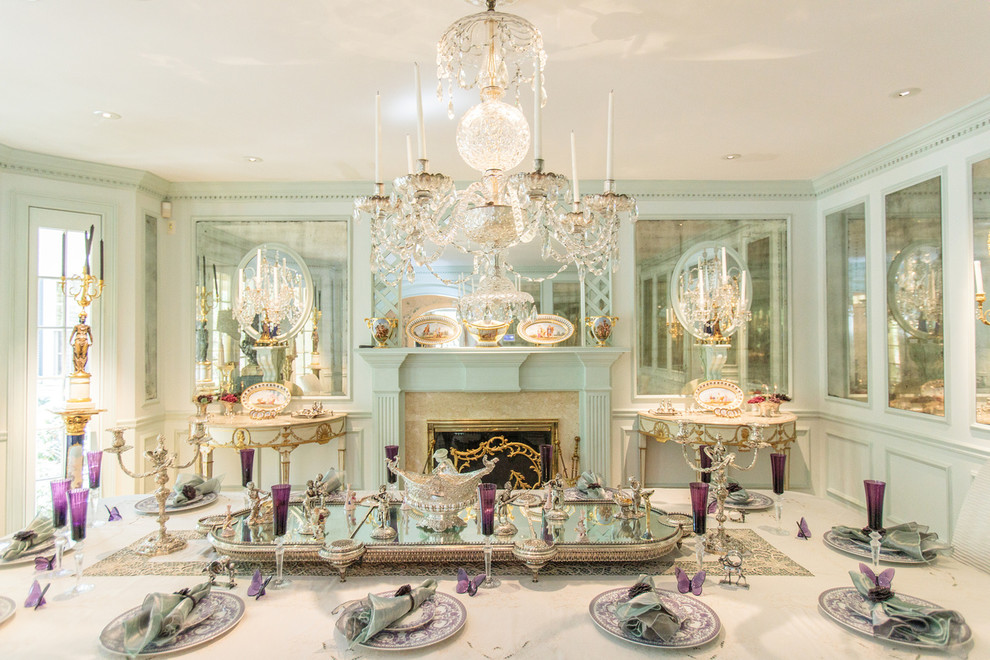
x=161 y=617
x=898 y=620
x=737 y=493
x=376 y=613
x=591 y=484
x=645 y=615
x=190 y=486
x=331 y=481
x=37 y=532
x=910 y=538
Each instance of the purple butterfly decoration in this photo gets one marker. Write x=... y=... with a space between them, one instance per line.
x=114 y=513
x=686 y=584
x=258 y=584
x=803 y=531
x=713 y=506
x=44 y=563
x=467 y=585
x=36 y=597
x=881 y=590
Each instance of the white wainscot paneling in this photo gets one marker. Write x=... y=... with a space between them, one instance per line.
x=919 y=490
x=848 y=462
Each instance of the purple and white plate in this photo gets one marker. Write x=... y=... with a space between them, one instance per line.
x=227 y=609
x=756 y=502
x=857 y=549
x=449 y=616
x=849 y=609
x=7 y=608
x=149 y=505
x=699 y=623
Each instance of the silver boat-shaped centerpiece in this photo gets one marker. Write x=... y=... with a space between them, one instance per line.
x=440 y=495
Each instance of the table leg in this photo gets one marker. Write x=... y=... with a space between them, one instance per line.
x=283 y=467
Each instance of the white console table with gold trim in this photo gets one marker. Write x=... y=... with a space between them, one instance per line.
x=780 y=431
x=282 y=433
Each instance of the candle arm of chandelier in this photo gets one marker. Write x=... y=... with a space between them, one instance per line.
x=980 y=312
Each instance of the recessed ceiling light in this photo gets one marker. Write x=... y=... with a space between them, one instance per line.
x=253 y=159
x=732 y=156
x=907 y=91
x=103 y=114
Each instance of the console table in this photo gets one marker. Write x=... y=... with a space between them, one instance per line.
x=779 y=431
x=282 y=433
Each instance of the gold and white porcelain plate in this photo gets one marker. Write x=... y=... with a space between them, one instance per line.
x=713 y=394
x=546 y=329
x=433 y=330
x=268 y=399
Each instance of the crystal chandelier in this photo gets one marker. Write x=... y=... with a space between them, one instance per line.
x=269 y=293
x=711 y=298
x=915 y=288
x=496 y=53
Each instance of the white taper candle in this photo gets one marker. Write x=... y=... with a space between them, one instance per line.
x=420 y=125
x=378 y=137
x=978 y=273
x=609 y=175
x=538 y=113
x=574 y=177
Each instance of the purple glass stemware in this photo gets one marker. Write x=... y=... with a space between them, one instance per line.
x=777 y=463
x=247 y=466
x=78 y=505
x=60 y=505
x=486 y=493
x=699 y=506
x=546 y=463
x=874 y=503
x=391 y=452
x=280 y=507
x=94 y=461
x=705 y=462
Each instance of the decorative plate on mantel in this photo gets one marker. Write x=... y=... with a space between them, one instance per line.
x=547 y=329
x=433 y=330
x=722 y=394
x=264 y=400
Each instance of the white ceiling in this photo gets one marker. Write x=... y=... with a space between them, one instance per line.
x=797 y=87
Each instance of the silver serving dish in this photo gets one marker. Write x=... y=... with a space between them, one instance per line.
x=440 y=495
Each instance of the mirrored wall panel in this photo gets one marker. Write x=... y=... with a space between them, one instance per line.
x=981 y=254
x=309 y=260
x=669 y=360
x=915 y=355
x=845 y=302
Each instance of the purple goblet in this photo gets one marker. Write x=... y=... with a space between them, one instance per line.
x=777 y=463
x=94 y=461
x=874 y=504
x=280 y=513
x=546 y=463
x=78 y=505
x=60 y=505
x=699 y=506
x=391 y=452
x=247 y=466
x=486 y=497
x=705 y=462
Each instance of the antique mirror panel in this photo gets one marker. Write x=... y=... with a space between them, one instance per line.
x=323 y=246
x=915 y=357
x=845 y=303
x=981 y=229
x=668 y=360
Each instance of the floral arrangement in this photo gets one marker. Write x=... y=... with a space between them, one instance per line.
x=230 y=397
x=204 y=398
x=778 y=397
x=759 y=398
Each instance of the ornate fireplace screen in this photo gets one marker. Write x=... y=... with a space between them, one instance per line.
x=516 y=443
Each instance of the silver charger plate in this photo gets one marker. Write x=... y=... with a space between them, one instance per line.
x=228 y=610
x=699 y=623
x=449 y=616
x=849 y=609
x=149 y=505
x=857 y=549
x=756 y=502
x=7 y=608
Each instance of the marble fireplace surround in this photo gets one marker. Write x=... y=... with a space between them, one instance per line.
x=568 y=380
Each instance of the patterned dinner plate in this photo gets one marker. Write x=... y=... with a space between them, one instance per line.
x=756 y=502
x=149 y=505
x=227 y=612
x=7 y=608
x=849 y=609
x=857 y=549
x=449 y=616
x=699 y=623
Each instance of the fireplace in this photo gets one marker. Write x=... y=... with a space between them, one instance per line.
x=514 y=442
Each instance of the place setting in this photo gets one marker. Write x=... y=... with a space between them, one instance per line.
x=191 y=491
x=906 y=543
x=44 y=541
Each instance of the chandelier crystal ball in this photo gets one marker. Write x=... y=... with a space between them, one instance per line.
x=493 y=135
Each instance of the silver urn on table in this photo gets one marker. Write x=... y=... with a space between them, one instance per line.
x=440 y=495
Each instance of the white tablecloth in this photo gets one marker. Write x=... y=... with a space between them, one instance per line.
x=777 y=617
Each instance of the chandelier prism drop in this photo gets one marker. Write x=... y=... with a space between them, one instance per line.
x=496 y=53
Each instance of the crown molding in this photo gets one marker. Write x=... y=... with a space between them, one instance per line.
x=19 y=161
x=694 y=190
x=315 y=191
x=963 y=123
